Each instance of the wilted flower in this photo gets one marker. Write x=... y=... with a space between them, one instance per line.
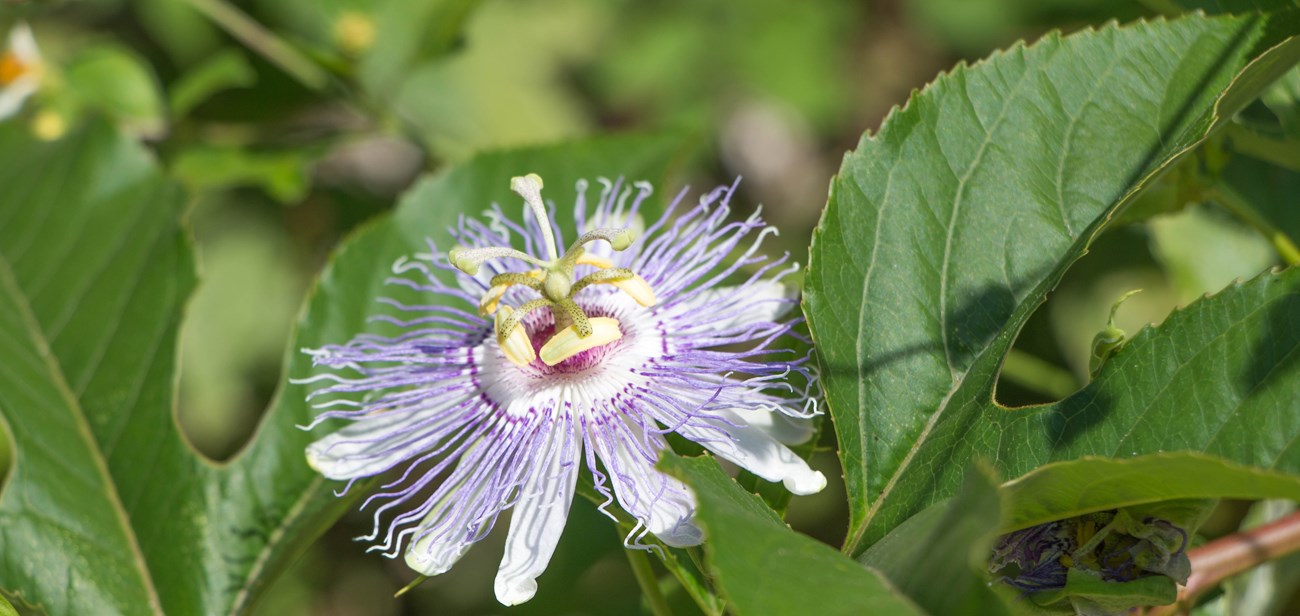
x=1110 y=546
x=20 y=70
x=527 y=365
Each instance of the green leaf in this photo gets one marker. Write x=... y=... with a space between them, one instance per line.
x=1215 y=7
x=763 y=567
x=282 y=175
x=1075 y=487
x=1089 y=594
x=225 y=70
x=116 y=82
x=949 y=227
x=106 y=497
x=92 y=271
x=949 y=541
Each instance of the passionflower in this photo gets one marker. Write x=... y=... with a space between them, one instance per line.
x=527 y=365
x=20 y=70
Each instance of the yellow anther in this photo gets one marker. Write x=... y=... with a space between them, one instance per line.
x=638 y=288
x=590 y=259
x=488 y=303
x=517 y=347
x=566 y=343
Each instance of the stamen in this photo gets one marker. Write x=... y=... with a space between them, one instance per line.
x=517 y=346
x=604 y=276
x=502 y=283
x=573 y=315
x=638 y=289
x=568 y=342
x=590 y=259
x=622 y=279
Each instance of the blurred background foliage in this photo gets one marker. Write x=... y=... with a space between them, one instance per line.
x=295 y=121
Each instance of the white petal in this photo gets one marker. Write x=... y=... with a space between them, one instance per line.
x=665 y=505
x=760 y=302
x=13 y=95
x=371 y=445
x=430 y=556
x=539 y=518
x=778 y=425
x=23 y=43
x=757 y=452
x=468 y=503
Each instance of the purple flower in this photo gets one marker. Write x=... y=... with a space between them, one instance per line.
x=528 y=364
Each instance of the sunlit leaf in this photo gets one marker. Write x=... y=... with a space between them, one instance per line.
x=947 y=229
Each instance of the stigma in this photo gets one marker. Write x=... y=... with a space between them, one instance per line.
x=553 y=279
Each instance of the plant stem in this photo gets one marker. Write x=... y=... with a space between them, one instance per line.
x=1284 y=153
x=649 y=583
x=1038 y=375
x=1235 y=203
x=1223 y=558
x=264 y=42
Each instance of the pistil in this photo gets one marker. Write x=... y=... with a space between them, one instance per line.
x=554 y=280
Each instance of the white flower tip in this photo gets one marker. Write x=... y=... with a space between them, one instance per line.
x=333 y=466
x=421 y=559
x=566 y=343
x=513 y=591
x=638 y=289
x=810 y=482
x=313 y=458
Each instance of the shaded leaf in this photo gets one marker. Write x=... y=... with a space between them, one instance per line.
x=1067 y=489
x=224 y=70
x=763 y=567
x=949 y=541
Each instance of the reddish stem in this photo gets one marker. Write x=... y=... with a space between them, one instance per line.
x=1225 y=557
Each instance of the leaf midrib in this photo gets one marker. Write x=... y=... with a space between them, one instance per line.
x=958 y=377
x=32 y=326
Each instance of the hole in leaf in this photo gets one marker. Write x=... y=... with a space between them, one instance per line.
x=1049 y=359
x=1174 y=258
x=239 y=321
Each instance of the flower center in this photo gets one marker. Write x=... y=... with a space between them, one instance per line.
x=574 y=332
x=11 y=68
x=579 y=362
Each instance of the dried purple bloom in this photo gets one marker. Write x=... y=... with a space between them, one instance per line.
x=1110 y=545
x=591 y=357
